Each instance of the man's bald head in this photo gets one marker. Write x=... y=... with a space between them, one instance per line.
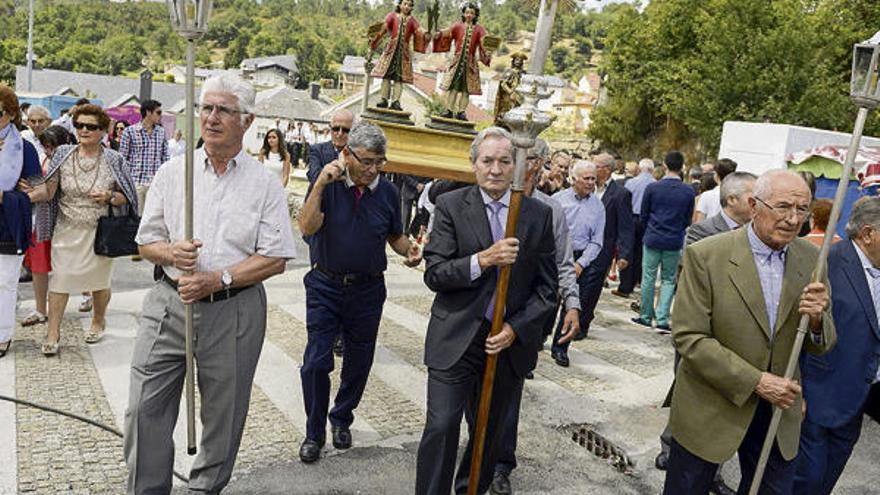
x=780 y=203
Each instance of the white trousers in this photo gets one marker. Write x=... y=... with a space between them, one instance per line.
x=10 y=269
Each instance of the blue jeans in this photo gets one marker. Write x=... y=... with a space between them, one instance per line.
x=667 y=261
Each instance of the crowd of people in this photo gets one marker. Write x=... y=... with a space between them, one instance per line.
x=734 y=282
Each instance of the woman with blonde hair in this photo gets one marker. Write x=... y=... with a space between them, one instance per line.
x=83 y=181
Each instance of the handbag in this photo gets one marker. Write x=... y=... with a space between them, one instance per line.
x=115 y=234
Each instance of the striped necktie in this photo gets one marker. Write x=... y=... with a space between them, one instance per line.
x=497 y=234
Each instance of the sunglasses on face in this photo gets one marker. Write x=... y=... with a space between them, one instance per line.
x=339 y=128
x=83 y=125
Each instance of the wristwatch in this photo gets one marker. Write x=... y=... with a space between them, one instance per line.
x=226 y=280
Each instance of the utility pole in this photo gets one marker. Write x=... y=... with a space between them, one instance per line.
x=30 y=45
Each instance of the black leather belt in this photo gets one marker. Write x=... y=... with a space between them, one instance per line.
x=220 y=295
x=347 y=279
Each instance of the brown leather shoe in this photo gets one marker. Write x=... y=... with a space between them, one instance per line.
x=620 y=294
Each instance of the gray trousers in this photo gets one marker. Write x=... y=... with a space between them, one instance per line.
x=228 y=339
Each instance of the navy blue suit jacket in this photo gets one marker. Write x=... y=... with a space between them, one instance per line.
x=320 y=155
x=836 y=384
x=619 y=226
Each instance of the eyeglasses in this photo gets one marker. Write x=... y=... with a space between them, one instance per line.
x=784 y=210
x=378 y=163
x=83 y=125
x=339 y=128
x=222 y=110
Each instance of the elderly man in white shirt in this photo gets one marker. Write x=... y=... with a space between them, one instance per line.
x=242 y=236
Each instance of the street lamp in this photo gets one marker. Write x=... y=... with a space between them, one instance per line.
x=190 y=19
x=865 y=93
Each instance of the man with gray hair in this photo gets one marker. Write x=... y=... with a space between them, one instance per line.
x=836 y=402
x=466 y=249
x=568 y=299
x=38 y=120
x=242 y=236
x=735 y=192
x=350 y=213
x=585 y=216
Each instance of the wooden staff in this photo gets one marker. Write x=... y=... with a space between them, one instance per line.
x=516 y=195
x=818 y=276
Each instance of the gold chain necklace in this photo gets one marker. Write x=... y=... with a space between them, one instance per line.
x=77 y=168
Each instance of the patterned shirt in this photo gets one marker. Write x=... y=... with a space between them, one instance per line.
x=144 y=152
x=771 y=268
x=586 y=223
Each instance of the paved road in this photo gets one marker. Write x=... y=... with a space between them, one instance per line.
x=618 y=377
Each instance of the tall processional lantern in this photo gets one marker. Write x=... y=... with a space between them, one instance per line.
x=190 y=19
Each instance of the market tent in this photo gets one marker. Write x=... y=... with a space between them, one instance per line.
x=826 y=164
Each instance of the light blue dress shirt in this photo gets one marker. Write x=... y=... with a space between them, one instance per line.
x=586 y=223
x=637 y=186
x=771 y=268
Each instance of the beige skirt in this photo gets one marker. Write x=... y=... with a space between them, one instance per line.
x=75 y=266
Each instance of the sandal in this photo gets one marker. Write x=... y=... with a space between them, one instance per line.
x=50 y=348
x=94 y=334
x=86 y=305
x=35 y=318
x=4 y=347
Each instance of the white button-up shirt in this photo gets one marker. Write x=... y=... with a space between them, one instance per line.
x=236 y=215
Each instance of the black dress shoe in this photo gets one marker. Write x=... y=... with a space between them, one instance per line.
x=395 y=105
x=337 y=346
x=530 y=375
x=664 y=329
x=382 y=104
x=448 y=114
x=310 y=451
x=460 y=116
x=641 y=322
x=661 y=461
x=501 y=485
x=719 y=487
x=341 y=437
x=561 y=358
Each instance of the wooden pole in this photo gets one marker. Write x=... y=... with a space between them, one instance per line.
x=818 y=275
x=485 y=404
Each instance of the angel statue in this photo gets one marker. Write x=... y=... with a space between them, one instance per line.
x=395 y=65
x=463 y=76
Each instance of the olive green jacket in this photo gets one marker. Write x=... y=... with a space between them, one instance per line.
x=721 y=329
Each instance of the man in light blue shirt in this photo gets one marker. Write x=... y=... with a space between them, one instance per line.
x=585 y=215
x=632 y=274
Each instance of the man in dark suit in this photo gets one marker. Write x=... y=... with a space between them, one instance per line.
x=324 y=153
x=463 y=257
x=838 y=384
x=410 y=187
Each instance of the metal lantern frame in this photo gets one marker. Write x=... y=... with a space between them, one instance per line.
x=864 y=89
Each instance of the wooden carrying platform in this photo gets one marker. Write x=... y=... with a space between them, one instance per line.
x=427 y=152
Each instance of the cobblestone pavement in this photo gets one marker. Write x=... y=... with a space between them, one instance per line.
x=618 y=377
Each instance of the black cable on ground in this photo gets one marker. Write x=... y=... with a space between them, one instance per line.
x=77 y=417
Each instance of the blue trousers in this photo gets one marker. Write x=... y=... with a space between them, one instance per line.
x=667 y=261
x=691 y=475
x=823 y=455
x=590 y=285
x=333 y=308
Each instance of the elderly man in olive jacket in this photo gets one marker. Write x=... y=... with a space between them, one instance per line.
x=741 y=297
